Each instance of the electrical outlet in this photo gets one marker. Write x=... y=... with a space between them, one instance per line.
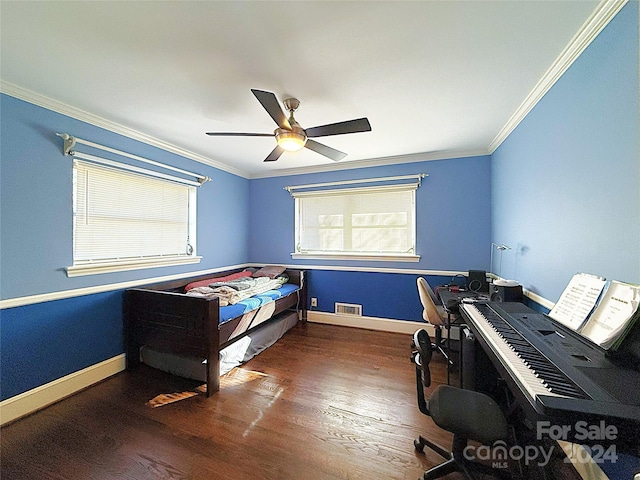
x=314 y=302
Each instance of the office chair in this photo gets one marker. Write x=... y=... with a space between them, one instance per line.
x=434 y=315
x=467 y=414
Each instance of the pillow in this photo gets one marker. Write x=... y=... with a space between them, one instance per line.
x=271 y=271
x=206 y=282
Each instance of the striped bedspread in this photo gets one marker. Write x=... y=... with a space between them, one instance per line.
x=244 y=305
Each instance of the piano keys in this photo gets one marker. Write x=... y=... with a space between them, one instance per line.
x=553 y=373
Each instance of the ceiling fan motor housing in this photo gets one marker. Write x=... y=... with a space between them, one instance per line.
x=291 y=104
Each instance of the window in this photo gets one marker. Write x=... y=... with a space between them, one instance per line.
x=374 y=222
x=124 y=220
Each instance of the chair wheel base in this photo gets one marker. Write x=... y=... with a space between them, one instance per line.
x=418 y=446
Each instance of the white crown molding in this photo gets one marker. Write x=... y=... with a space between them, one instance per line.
x=73 y=112
x=601 y=16
x=596 y=22
x=84 y=116
x=373 y=162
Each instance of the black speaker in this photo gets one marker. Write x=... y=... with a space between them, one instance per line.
x=500 y=293
x=477 y=281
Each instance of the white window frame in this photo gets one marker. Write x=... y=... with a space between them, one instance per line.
x=85 y=266
x=304 y=253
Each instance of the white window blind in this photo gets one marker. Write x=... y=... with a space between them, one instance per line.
x=125 y=220
x=367 y=220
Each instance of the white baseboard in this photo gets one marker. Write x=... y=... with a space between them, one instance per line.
x=369 y=323
x=44 y=395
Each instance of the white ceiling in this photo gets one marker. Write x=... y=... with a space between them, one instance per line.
x=433 y=77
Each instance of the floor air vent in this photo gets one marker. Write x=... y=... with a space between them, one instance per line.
x=348 y=309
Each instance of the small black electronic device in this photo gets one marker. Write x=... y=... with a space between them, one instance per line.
x=502 y=293
x=477 y=281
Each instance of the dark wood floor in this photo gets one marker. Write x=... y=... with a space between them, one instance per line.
x=325 y=402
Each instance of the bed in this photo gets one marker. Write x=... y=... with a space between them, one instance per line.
x=165 y=322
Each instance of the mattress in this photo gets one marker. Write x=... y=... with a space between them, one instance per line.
x=244 y=306
x=241 y=351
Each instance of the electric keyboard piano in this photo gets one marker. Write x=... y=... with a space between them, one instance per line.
x=554 y=373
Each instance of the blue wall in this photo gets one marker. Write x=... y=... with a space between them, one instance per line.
x=36 y=203
x=36 y=238
x=42 y=342
x=46 y=341
x=382 y=295
x=565 y=183
x=453 y=234
x=452 y=212
x=563 y=190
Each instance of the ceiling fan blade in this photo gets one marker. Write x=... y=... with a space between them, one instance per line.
x=340 y=128
x=275 y=154
x=272 y=106
x=329 y=152
x=236 y=134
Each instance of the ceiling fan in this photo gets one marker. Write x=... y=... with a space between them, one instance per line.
x=291 y=137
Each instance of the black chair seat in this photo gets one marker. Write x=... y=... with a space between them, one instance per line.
x=472 y=415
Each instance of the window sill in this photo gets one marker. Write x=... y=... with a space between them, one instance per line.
x=358 y=256
x=129 y=264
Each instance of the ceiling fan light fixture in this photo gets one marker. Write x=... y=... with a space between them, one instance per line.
x=290 y=136
x=291 y=140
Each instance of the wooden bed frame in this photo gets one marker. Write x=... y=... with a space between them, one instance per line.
x=162 y=317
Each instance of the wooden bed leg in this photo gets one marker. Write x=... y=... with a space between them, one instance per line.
x=132 y=356
x=132 y=349
x=213 y=376
x=213 y=357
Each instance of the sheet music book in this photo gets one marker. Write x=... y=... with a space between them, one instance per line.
x=578 y=300
x=614 y=316
x=604 y=312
